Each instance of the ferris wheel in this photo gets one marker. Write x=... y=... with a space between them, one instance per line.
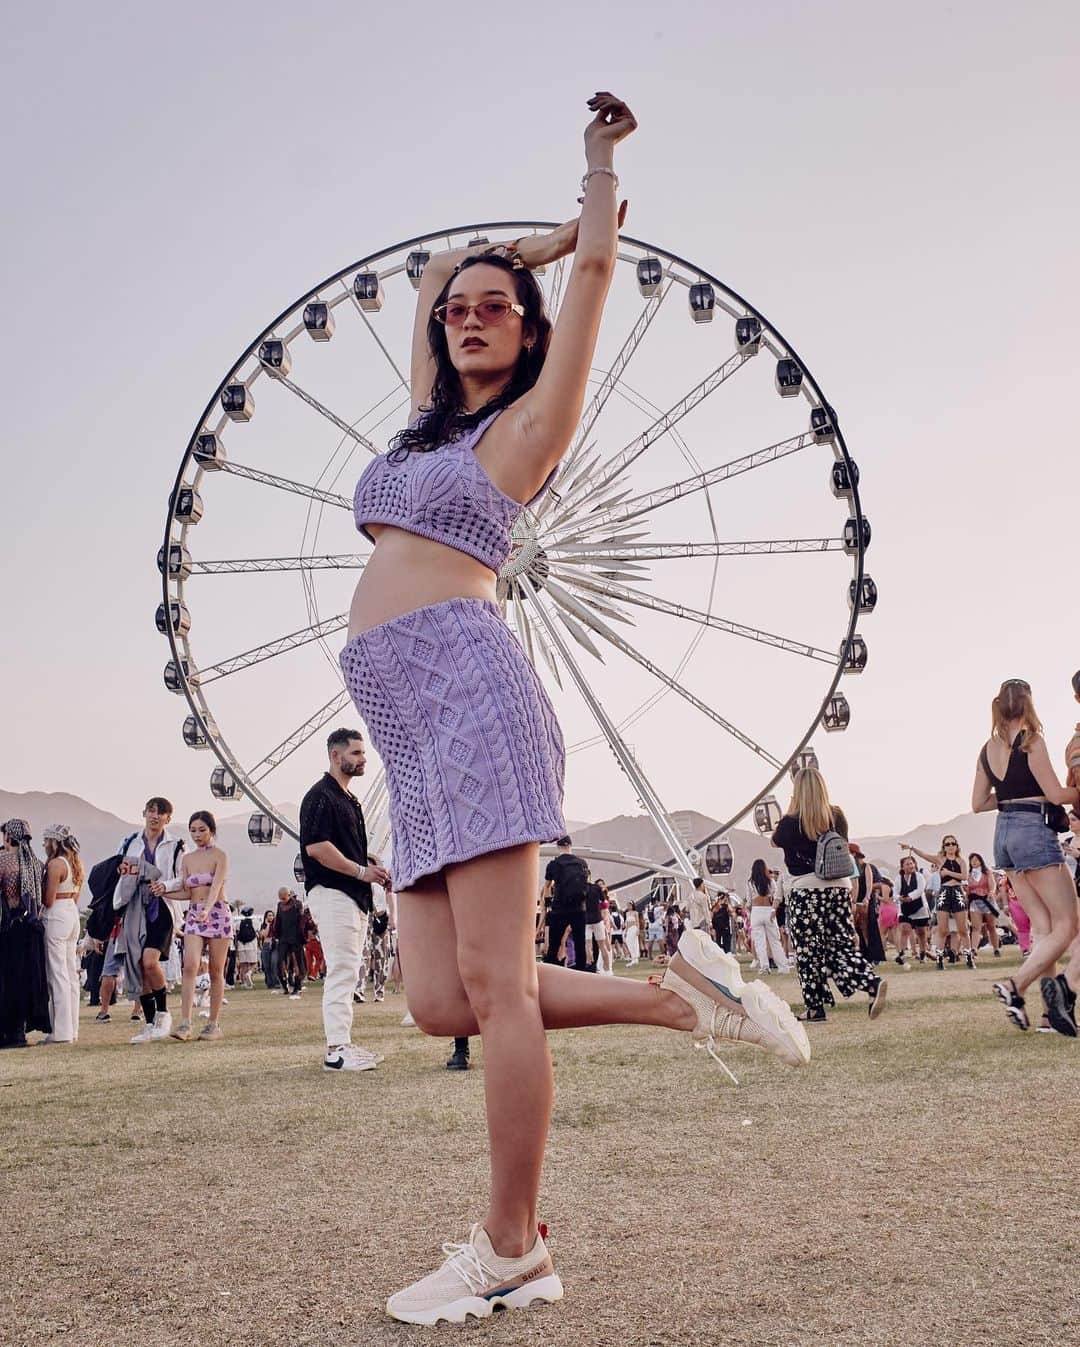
x=689 y=589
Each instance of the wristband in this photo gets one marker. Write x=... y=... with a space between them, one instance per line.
x=608 y=172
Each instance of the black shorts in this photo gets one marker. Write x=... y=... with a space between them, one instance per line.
x=951 y=900
x=915 y=922
x=159 y=932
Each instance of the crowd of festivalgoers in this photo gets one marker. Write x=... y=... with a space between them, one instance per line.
x=160 y=920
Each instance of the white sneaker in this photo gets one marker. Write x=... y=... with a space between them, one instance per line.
x=145 y=1034
x=379 y=995
x=475 y=1280
x=162 y=1025
x=729 y=1008
x=348 y=1058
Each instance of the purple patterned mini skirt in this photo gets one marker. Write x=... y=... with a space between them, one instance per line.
x=218 y=927
x=473 y=753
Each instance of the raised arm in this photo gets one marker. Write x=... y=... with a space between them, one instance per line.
x=534 y=250
x=548 y=414
x=932 y=860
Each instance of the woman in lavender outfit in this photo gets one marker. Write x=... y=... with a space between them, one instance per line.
x=208 y=923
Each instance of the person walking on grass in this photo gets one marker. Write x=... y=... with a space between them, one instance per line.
x=149 y=875
x=63 y=880
x=1014 y=775
x=207 y=926
x=764 y=932
x=983 y=910
x=24 y=987
x=338 y=875
x=819 y=906
x=473 y=753
x=914 y=911
x=951 y=903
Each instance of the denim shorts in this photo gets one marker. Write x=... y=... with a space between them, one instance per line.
x=114 y=961
x=1022 y=841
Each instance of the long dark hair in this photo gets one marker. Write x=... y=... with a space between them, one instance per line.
x=444 y=419
x=759 y=877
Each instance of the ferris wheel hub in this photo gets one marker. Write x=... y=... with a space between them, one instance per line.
x=527 y=558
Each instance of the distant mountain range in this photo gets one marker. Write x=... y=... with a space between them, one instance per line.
x=256 y=873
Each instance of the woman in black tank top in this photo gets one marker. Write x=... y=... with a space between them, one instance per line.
x=1014 y=775
x=952 y=904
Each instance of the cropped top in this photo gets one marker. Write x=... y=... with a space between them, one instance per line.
x=198 y=881
x=443 y=494
x=1019 y=782
x=800 y=850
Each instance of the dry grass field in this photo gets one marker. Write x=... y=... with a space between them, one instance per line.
x=917 y=1183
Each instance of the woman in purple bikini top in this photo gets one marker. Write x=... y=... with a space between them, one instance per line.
x=444 y=494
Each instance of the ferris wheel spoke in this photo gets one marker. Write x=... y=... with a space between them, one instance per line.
x=653 y=500
x=556 y=289
x=602 y=629
x=623 y=594
x=603 y=553
x=323 y=410
x=622 y=751
x=299 y=736
x=378 y=341
x=346 y=561
x=596 y=406
x=272 y=648
x=620 y=461
x=284 y=484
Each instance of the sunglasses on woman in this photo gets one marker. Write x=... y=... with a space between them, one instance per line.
x=491 y=312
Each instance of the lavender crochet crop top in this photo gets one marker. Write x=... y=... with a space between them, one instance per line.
x=444 y=495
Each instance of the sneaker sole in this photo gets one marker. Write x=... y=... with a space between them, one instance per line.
x=359 y=1066
x=877 y=1005
x=547 y=1290
x=704 y=959
x=1056 y=1010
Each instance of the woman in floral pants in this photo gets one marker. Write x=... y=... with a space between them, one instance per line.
x=819 y=911
x=375 y=960
x=826 y=947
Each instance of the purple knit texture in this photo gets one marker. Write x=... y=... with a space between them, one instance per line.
x=473 y=754
x=444 y=495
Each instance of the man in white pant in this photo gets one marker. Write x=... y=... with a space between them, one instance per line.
x=338 y=875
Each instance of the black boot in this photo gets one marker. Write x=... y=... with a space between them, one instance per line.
x=459 y=1060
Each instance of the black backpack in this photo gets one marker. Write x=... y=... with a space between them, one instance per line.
x=570 y=882
x=246 y=932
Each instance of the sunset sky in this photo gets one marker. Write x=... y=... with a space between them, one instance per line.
x=889 y=185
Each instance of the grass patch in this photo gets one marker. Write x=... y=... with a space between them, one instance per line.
x=863 y=1202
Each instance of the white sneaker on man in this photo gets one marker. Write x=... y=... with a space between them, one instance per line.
x=145 y=1034
x=347 y=1057
x=475 y=1280
x=162 y=1025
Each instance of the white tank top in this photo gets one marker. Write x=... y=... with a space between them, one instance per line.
x=66 y=889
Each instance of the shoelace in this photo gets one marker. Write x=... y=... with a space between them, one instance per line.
x=468 y=1265
x=725 y=1024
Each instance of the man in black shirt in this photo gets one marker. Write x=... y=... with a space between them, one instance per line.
x=566 y=880
x=338 y=875
x=286 y=930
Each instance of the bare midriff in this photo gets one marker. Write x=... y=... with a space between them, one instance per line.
x=406 y=572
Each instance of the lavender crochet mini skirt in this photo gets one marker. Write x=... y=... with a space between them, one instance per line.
x=473 y=754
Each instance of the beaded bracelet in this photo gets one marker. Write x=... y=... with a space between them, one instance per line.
x=609 y=172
